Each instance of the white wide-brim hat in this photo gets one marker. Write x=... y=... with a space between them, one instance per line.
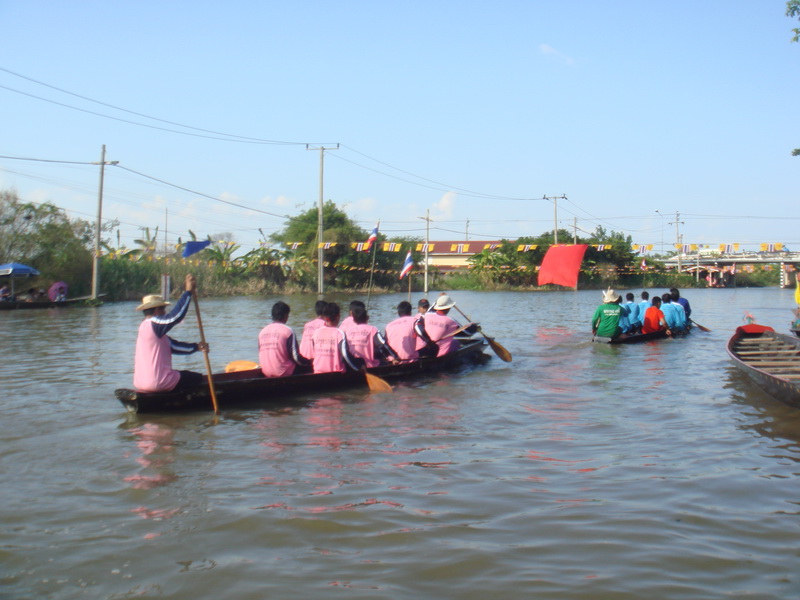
x=443 y=302
x=152 y=301
x=610 y=296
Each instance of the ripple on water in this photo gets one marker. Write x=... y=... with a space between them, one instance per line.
x=579 y=470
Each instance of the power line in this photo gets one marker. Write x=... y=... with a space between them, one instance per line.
x=442 y=185
x=243 y=139
x=63 y=91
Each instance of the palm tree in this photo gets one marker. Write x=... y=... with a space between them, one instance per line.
x=147 y=245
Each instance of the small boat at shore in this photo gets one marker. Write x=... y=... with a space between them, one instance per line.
x=243 y=389
x=770 y=359
x=23 y=305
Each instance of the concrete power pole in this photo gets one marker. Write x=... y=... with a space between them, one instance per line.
x=427 y=219
x=99 y=224
x=555 y=200
x=678 y=238
x=320 y=224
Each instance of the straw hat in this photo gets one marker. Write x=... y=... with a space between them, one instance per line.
x=152 y=301
x=610 y=296
x=443 y=302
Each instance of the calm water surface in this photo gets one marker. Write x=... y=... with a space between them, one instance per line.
x=578 y=471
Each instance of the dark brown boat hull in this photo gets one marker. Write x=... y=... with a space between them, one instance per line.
x=637 y=338
x=244 y=389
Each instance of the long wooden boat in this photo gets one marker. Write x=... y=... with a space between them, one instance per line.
x=242 y=389
x=770 y=359
x=22 y=305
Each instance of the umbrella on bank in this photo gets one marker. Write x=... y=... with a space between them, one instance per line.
x=13 y=270
x=57 y=290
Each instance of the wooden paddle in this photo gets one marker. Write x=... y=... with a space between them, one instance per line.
x=700 y=327
x=457 y=331
x=205 y=353
x=376 y=384
x=501 y=352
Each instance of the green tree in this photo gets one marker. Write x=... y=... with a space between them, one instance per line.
x=268 y=263
x=793 y=11
x=338 y=229
x=148 y=245
x=44 y=237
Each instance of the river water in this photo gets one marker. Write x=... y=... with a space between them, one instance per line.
x=579 y=470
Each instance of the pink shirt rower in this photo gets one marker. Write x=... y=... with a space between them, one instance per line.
x=329 y=345
x=309 y=329
x=400 y=334
x=278 y=353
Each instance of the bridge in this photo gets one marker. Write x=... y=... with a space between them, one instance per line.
x=716 y=261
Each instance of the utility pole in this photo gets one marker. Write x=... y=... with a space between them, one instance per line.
x=555 y=200
x=320 y=228
x=575 y=230
x=678 y=237
x=658 y=212
x=96 y=262
x=466 y=232
x=166 y=284
x=427 y=219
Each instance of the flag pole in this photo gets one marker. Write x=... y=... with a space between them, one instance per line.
x=409 y=287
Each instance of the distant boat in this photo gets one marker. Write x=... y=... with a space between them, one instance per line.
x=14 y=270
x=22 y=305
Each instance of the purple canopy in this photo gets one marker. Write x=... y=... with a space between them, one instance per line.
x=57 y=290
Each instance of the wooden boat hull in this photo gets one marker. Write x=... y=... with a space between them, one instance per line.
x=770 y=359
x=30 y=305
x=640 y=337
x=243 y=389
x=18 y=305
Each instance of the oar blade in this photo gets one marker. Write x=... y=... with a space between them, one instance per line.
x=501 y=352
x=376 y=384
x=700 y=327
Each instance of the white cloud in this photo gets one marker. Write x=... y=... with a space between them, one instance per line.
x=364 y=205
x=279 y=201
x=443 y=209
x=548 y=50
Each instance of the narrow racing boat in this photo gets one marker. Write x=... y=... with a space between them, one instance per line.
x=251 y=389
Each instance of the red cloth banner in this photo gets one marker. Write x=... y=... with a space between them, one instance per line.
x=561 y=265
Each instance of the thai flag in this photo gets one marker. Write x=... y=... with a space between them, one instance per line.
x=372 y=237
x=407 y=266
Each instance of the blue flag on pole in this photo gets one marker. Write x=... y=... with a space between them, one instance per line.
x=194 y=247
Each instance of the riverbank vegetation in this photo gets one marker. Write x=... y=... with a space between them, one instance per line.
x=62 y=249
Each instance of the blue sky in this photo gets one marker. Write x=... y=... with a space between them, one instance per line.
x=470 y=110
